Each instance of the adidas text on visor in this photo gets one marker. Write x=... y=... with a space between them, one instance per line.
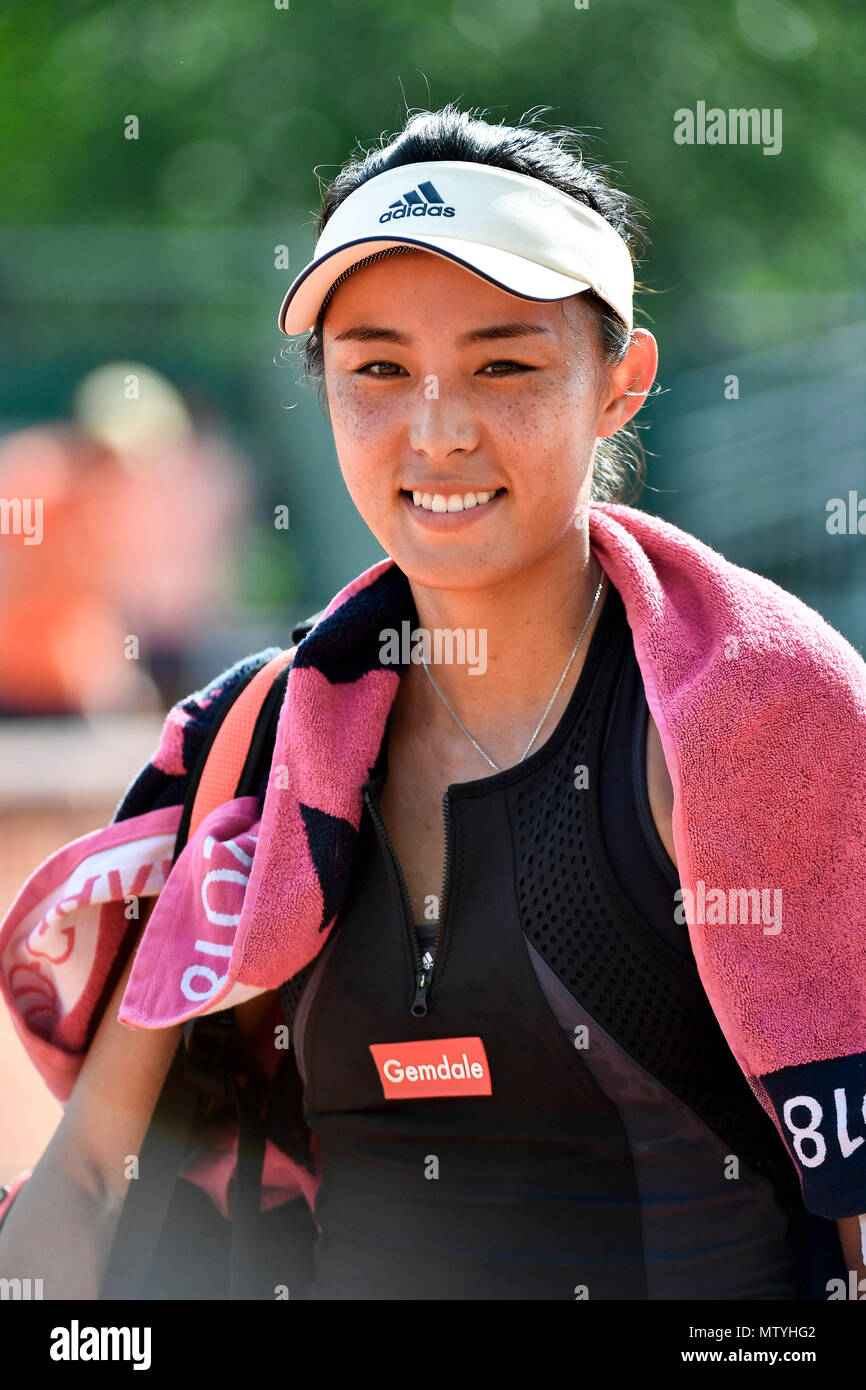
x=513 y=230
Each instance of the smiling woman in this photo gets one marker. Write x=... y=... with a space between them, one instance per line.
x=619 y=463
x=475 y=878
x=522 y=426
x=471 y=337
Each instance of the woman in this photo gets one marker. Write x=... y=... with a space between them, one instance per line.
x=514 y=1079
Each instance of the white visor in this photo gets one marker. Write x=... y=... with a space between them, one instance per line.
x=513 y=230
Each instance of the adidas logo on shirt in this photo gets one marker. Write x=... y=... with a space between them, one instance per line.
x=422 y=201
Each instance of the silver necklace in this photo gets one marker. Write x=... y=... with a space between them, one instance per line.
x=550 y=702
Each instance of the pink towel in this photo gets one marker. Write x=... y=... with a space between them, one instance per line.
x=761 y=707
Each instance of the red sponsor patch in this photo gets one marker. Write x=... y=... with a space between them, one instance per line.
x=435 y=1067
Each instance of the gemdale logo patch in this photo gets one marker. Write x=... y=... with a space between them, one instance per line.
x=435 y=1067
x=422 y=201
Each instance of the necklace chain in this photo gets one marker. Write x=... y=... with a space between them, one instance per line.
x=550 y=701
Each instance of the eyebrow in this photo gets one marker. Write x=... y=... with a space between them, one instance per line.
x=516 y=328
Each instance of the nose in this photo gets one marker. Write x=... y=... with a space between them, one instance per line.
x=441 y=420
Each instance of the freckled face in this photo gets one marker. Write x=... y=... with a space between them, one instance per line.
x=439 y=381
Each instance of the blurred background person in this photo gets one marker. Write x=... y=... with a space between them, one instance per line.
x=186 y=503
x=139 y=514
x=61 y=625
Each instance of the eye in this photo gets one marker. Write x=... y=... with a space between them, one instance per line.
x=365 y=370
x=513 y=367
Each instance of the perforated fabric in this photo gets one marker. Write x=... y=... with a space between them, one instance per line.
x=581 y=920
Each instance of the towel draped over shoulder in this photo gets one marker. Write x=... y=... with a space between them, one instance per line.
x=761 y=709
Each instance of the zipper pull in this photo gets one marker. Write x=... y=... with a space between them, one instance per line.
x=422 y=985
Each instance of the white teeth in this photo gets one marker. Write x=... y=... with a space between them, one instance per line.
x=437 y=502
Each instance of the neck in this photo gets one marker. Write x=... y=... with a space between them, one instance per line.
x=519 y=635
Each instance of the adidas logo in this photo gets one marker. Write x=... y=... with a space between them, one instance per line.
x=422 y=201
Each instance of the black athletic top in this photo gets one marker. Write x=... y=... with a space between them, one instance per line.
x=621 y=1152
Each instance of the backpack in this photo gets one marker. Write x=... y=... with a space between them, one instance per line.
x=171 y=1241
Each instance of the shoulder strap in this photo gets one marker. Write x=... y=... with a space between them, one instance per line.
x=227 y=755
x=202 y=1064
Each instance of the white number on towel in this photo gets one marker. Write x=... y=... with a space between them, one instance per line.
x=817 y=1143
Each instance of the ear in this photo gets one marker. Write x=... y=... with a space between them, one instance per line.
x=628 y=384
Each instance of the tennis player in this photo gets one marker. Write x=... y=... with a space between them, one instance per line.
x=512 y=1074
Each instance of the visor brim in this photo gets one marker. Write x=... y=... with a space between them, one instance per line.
x=514 y=274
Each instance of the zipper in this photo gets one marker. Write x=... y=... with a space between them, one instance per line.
x=423 y=963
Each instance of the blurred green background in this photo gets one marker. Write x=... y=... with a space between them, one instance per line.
x=161 y=250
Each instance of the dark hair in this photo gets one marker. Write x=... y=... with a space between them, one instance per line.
x=551 y=154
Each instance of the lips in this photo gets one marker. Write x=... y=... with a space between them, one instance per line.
x=436 y=501
x=448 y=521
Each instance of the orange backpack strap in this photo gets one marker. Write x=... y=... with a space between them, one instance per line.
x=228 y=753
